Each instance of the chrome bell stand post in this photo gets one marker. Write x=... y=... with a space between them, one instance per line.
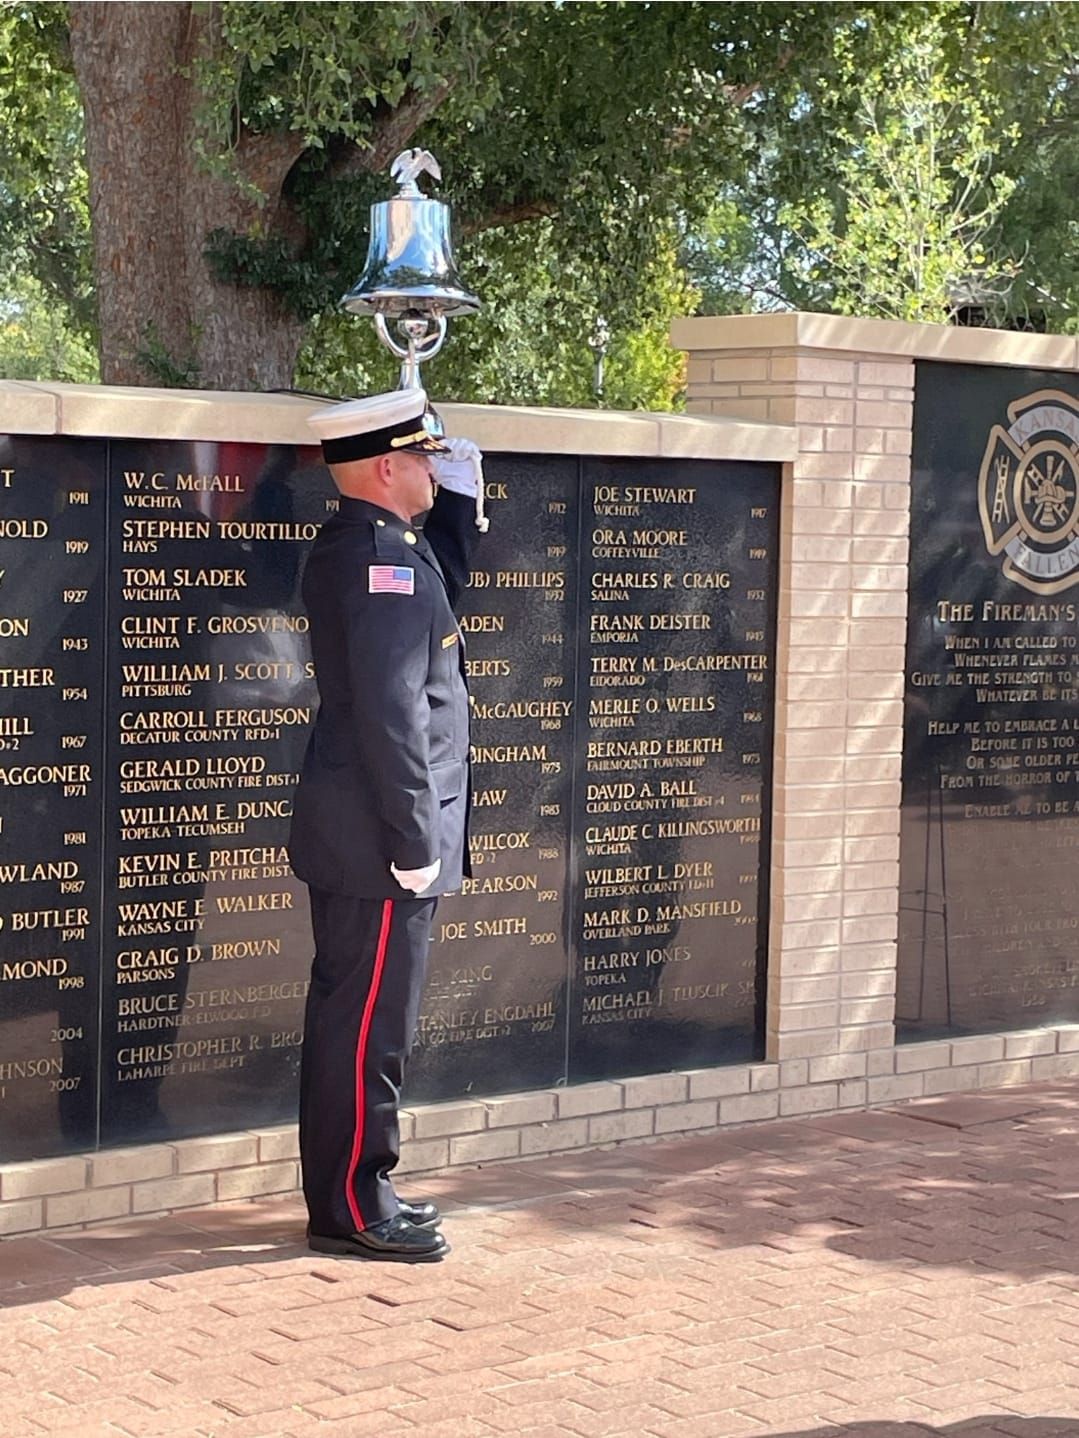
x=419 y=346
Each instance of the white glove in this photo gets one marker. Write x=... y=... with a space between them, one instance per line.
x=416 y=880
x=461 y=470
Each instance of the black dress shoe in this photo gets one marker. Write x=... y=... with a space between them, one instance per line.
x=423 y=1215
x=394 y=1240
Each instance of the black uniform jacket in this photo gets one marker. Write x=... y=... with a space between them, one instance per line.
x=386 y=774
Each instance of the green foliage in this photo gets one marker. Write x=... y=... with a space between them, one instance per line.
x=529 y=343
x=36 y=338
x=885 y=158
x=906 y=231
x=44 y=207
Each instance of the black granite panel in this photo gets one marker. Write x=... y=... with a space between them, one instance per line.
x=675 y=686
x=494 y=1011
x=52 y=557
x=207 y=941
x=989 y=921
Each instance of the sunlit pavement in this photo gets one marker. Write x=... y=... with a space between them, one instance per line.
x=888 y=1274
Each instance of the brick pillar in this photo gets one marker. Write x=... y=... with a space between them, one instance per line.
x=839 y=692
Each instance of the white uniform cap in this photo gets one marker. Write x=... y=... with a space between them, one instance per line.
x=379 y=424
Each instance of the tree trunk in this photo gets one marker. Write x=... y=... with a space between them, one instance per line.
x=163 y=316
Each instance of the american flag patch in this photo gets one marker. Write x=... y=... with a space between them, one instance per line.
x=391 y=579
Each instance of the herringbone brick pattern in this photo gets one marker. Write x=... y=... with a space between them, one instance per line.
x=886 y=1275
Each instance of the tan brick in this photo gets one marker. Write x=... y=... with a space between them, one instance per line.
x=891 y=524
x=868 y=851
x=650 y=1089
x=1028 y=1043
x=717 y=1082
x=806 y=963
x=839 y=439
x=824 y=466
x=807 y=1046
x=423 y=1155
x=875 y=686
x=756 y=409
x=829 y=550
x=885 y=553
x=797 y=1018
x=586 y=1098
x=749 y=1108
x=882 y=873
x=1067 y=1037
x=406 y=1123
x=981 y=1049
x=481 y=1147
x=809 y=880
x=63 y=1210
x=820 y=933
x=197 y=1155
x=854 y=1038
x=555 y=1136
x=812 y=743
x=869 y=929
x=763 y=1077
x=890 y=1088
x=114 y=1166
x=860 y=958
x=614 y=1127
x=739 y=369
x=837 y=1066
x=796 y=908
x=884 y=468
x=793 y=1073
x=520 y=1109
x=1006 y=1071
x=42 y=1176
x=822 y=988
x=861 y=902
x=815 y=1098
x=165 y=1193
x=809 y=604
x=869 y=440
x=1054 y=1066
x=682 y=1117
x=867 y=1011
x=871 y=984
x=277 y=1144
x=898 y=441
x=25 y=1216
x=853 y=1093
x=438 y=1119
x=257 y=1180
x=961 y=1080
x=880 y=1063
x=887 y=414
x=879 y=604
x=912 y=1058
x=899 y=374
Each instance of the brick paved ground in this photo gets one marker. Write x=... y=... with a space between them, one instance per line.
x=889 y=1275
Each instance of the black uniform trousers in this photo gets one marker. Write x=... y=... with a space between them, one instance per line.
x=362 y=1007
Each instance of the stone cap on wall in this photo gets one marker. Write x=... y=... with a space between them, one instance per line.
x=136 y=413
x=798 y=329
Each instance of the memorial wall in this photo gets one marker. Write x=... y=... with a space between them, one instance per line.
x=155 y=697
x=989 y=903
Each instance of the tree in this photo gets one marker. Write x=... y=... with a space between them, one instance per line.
x=931 y=163
x=233 y=149
x=906 y=233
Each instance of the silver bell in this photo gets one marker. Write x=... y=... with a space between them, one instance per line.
x=410 y=265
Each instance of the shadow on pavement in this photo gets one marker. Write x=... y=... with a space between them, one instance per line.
x=985 y=1182
x=984 y=1427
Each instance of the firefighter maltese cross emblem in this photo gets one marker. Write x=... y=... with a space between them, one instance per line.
x=1028 y=492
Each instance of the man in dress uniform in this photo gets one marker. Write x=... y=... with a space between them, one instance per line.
x=380 y=816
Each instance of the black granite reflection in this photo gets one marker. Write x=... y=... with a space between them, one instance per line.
x=614 y=922
x=52 y=554
x=210 y=698
x=494 y=1010
x=675 y=685
x=989 y=920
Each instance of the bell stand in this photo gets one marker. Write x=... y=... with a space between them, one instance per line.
x=420 y=346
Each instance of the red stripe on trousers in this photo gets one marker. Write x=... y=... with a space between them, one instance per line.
x=361 y=1053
